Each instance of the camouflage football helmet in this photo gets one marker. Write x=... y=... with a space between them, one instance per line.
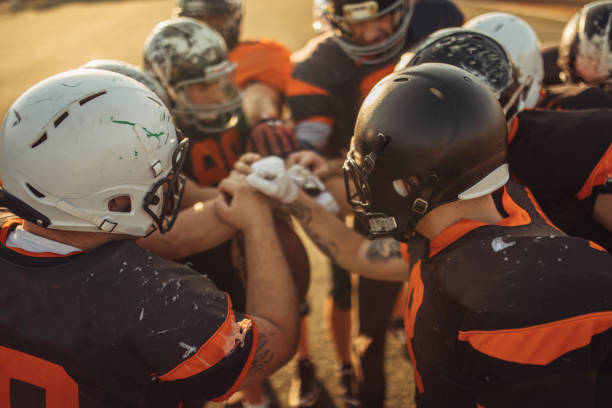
x=190 y=58
x=223 y=15
x=132 y=71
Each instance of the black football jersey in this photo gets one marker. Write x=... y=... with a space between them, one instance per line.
x=115 y=327
x=573 y=97
x=327 y=86
x=565 y=158
x=515 y=314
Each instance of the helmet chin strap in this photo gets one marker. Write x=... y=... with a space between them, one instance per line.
x=104 y=224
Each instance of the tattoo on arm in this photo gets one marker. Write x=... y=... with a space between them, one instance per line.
x=301 y=212
x=263 y=355
x=381 y=250
x=304 y=215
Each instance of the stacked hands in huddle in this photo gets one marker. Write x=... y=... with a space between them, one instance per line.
x=277 y=179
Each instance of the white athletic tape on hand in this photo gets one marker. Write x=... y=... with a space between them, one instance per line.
x=270 y=177
x=305 y=179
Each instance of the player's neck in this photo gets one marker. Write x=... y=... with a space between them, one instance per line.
x=85 y=241
x=437 y=220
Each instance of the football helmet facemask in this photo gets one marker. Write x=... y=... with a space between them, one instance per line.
x=523 y=45
x=424 y=136
x=190 y=60
x=477 y=53
x=585 y=49
x=341 y=14
x=76 y=141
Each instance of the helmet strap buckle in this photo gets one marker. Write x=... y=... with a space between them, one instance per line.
x=420 y=206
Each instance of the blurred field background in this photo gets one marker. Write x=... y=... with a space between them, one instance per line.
x=40 y=38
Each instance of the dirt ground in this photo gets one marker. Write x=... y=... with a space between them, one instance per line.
x=49 y=37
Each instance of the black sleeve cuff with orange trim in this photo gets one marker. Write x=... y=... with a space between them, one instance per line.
x=217 y=380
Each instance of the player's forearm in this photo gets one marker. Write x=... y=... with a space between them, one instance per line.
x=259 y=102
x=195 y=230
x=379 y=259
x=271 y=294
x=329 y=233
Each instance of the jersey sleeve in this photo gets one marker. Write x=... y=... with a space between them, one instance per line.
x=565 y=152
x=263 y=61
x=197 y=346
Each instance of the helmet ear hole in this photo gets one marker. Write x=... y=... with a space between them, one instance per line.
x=121 y=204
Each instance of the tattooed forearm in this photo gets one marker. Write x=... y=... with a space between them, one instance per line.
x=263 y=355
x=383 y=249
x=301 y=212
x=329 y=248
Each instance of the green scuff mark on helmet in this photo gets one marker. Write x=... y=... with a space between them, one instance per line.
x=122 y=122
x=72 y=86
x=151 y=134
x=135 y=153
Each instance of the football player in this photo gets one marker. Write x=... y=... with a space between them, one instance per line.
x=570 y=175
x=190 y=59
x=504 y=310
x=263 y=69
x=91 y=160
x=332 y=75
x=583 y=61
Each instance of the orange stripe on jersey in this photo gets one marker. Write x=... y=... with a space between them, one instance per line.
x=214 y=350
x=405 y=252
x=372 y=79
x=61 y=391
x=297 y=87
x=596 y=246
x=7 y=227
x=539 y=209
x=416 y=289
x=598 y=176
x=264 y=61
x=513 y=129
x=540 y=344
x=516 y=216
x=246 y=368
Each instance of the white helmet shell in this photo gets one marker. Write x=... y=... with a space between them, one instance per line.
x=523 y=45
x=75 y=141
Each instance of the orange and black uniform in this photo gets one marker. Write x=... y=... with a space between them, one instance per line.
x=573 y=97
x=565 y=158
x=212 y=156
x=115 y=326
x=515 y=314
x=327 y=87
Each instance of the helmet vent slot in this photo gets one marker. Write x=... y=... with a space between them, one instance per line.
x=89 y=98
x=39 y=141
x=60 y=119
x=154 y=100
x=35 y=191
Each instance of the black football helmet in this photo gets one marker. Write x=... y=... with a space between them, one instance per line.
x=340 y=14
x=223 y=15
x=585 y=49
x=477 y=53
x=425 y=136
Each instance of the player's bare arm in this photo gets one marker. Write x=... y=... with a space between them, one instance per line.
x=271 y=295
x=378 y=259
x=196 y=229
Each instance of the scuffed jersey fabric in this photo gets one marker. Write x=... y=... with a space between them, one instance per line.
x=117 y=326
x=328 y=87
x=515 y=314
x=565 y=158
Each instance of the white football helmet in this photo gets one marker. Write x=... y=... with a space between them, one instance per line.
x=521 y=42
x=75 y=141
x=132 y=71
